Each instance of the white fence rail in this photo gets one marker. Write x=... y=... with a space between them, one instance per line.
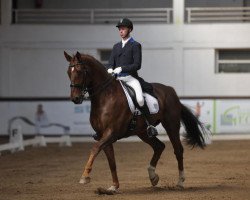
x=17 y=143
x=91 y=16
x=218 y=15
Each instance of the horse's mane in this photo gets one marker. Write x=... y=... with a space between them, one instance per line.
x=91 y=60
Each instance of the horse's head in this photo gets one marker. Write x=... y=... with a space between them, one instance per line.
x=77 y=73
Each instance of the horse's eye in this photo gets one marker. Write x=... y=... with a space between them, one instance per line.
x=78 y=68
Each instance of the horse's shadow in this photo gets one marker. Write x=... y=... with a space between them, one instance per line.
x=174 y=189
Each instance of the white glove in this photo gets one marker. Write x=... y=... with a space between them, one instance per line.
x=118 y=70
x=110 y=71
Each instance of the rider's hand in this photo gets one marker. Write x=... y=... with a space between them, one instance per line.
x=118 y=70
x=110 y=71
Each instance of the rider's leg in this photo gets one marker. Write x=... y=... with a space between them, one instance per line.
x=151 y=130
x=135 y=84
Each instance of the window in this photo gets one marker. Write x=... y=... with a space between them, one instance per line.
x=104 y=55
x=233 y=61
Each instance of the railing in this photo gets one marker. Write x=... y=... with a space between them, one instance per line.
x=217 y=15
x=91 y=16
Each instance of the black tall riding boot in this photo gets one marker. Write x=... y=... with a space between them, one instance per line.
x=151 y=130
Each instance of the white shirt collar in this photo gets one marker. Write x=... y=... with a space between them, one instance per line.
x=125 y=41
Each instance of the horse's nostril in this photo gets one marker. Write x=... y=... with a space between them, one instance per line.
x=76 y=100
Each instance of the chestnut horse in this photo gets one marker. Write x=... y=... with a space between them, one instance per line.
x=110 y=117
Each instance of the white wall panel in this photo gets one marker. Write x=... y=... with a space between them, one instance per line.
x=180 y=55
x=200 y=77
x=158 y=66
x=38 y=72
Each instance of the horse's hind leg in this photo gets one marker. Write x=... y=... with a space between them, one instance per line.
x=173 y=129
x=158 y=148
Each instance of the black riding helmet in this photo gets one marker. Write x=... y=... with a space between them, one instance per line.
x=125 y=22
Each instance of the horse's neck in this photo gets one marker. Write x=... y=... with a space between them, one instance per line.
x=101 y=83
x=99 y=77
x=106 y=97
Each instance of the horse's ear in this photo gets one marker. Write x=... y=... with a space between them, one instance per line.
x=67 y=56
x=78 y=56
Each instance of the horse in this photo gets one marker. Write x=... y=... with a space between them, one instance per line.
x=87 y=74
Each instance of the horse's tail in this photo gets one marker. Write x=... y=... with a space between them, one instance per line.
x=195 y=130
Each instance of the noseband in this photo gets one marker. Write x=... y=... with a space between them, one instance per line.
x=84 y=88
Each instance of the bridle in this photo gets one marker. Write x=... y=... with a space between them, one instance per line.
x=84 y=88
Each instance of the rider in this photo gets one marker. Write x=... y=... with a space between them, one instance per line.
x=125 y=61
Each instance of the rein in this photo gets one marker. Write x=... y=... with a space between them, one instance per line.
x=85 y=89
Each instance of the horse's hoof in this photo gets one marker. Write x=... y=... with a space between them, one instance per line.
x=113 y=189
x=180 y=186
x=110 y=191
x=84 y=180
x=155 y=180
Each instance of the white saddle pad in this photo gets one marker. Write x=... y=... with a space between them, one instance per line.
x=151 y=101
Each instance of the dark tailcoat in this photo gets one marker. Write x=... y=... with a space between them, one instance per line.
x=128 y=58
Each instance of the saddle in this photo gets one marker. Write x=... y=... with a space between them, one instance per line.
x=146 y=87
x=149 y=97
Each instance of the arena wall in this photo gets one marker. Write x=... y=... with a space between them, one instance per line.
x=180 y=55
x=61 y=116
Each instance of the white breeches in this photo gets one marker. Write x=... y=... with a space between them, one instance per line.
x=135 y=84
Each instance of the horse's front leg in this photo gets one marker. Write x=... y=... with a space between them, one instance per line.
x=109 y=151
x=107 y=139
